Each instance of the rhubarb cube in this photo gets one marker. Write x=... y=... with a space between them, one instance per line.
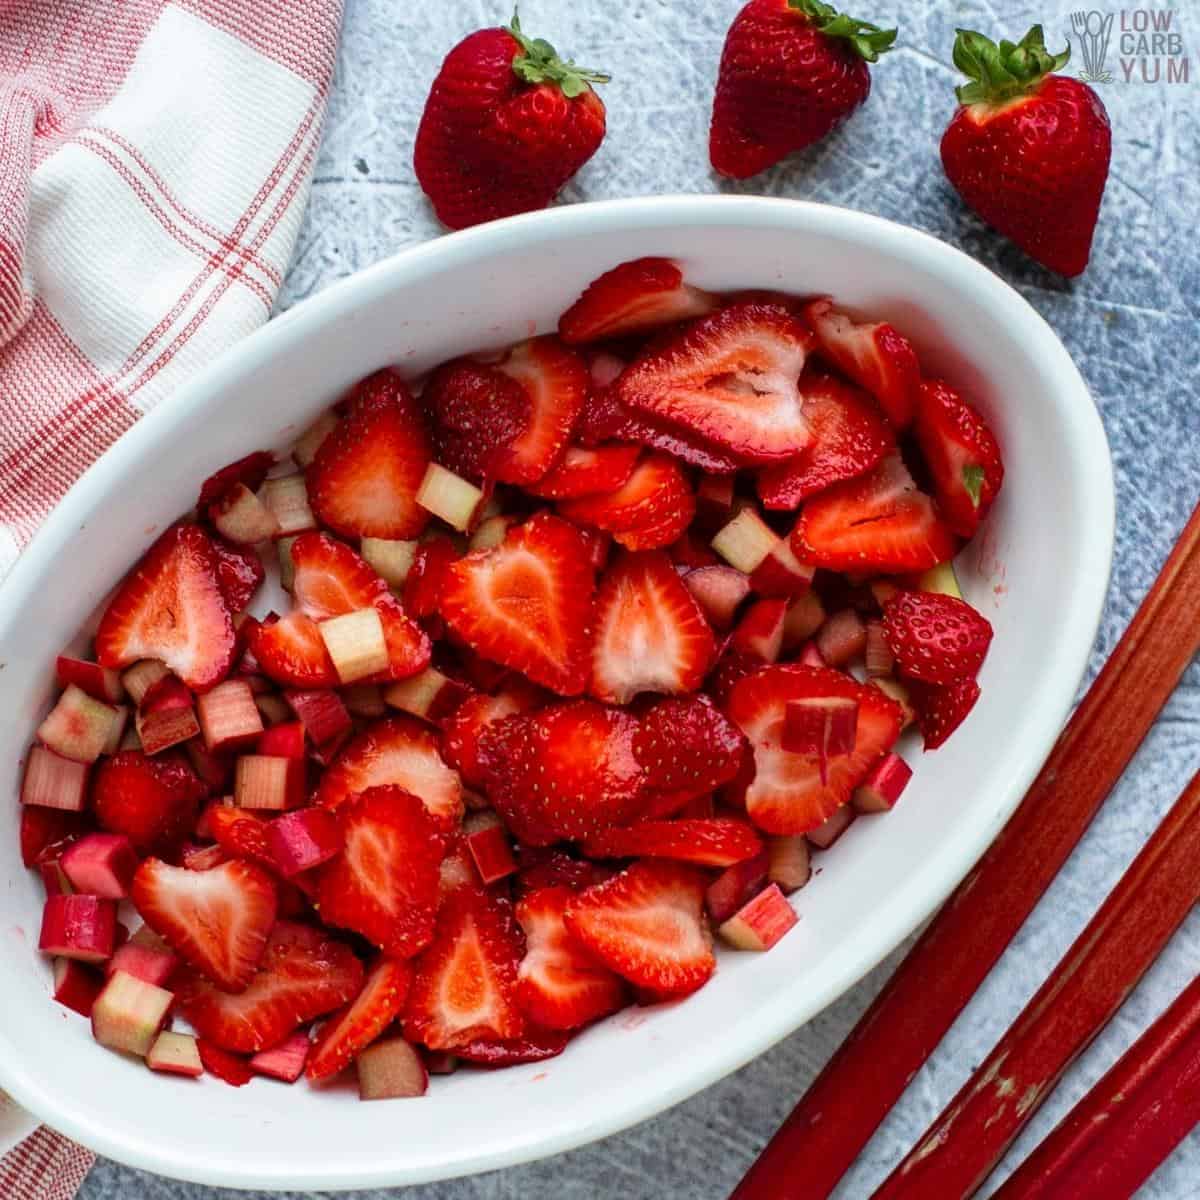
x=99 y=682
x=760 y=922
x=882 y=787
x=283 y=741
x=392 y=560
x=201 y=858
x=391 y=1069
x=82 y=927
x=429 y=695
x=322 y=713
x=271 y=783
x=229 y=718
x=129 y=1013
x=76 y=986
x=166 y=716
x=303 y=839
x=101 y=864
x=286 y=497
x=285 y=1061
x=51 y=781
x=719 y=591
x=491 y=532
x=781 y=573
x=759 y=634
x=790 y=861
x=745 y=541
x=175 y=1054
x=735 y=885
x=490 y=848
x=447 y=496
x=879 y=658
x=842 y=638
x=356 y=644
x=242 y=518
x=150 y=964
x=81 y=728
x=142 y=676
x=831 y=828
x=309 y=442
x=805 y=615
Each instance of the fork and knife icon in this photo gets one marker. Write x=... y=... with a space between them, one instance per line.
x=1092 y=31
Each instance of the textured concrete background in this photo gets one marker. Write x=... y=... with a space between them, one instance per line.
x=1131 y=324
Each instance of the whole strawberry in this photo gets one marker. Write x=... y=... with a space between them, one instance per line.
x=507 y=123
x=1028 y=150
x=791 y=71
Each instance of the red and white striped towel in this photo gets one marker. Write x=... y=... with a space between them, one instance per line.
x=155 y=157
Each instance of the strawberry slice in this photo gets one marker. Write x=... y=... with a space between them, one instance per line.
x=942 y=709
x=786 y=794
x=364 y=479
x=709 y=842
x=526 y=603
x=291 y=651
x=330 y=580
x=587 y=472
x=562 y=772
x=241 y=834
x=228 y=1068
x=427 y=576
x=651 y=635
x=152 y=801
x=878 y=523
x=534 y=1045
x=543 y=867
x=731 y=378
x=352 y=1030
x=650 y=510
x=240 y=573
x=688 y=745
x=559 y=984
x=875 y=356
x=465 y=983
x=850 y=436
x=962 y=455
x=249 y=471
x=215 y=920
x=44 y=832
x=384 y=884
x=303 y=975
x=648 y=925
x=463 y=729
x=171 y=608
x=633 y=297
x=935 y=638
x=399 y=751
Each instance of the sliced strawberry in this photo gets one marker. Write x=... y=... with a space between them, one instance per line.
x=292 y=652
x=559 y=984
x=352 y=1030
x=465 y=983
x=942 y=709
x=545 y=867
x=786 y=794
x=364 y=479
x=875 y=356
x=229 y=1068
x=478 y=414
x=563 y=771
x=730 y=668
x=303 y=974
x=651 y=635
x=44 y=832
x=171 y=608
x=688 y=744
x=534 y=1045
x=650 y=510
x=526 y=603
x=584 y=472
x=398 y=751
x=384 y=884
x=633 y=297
x=710 y=842
x=962 y=455
x=240 y=573
x=461 y=731
x=427 y=576
x=935 y=638
x=249 y=471
x=648 y=925
x=215 y=920
x=731 y=378
x=241 y=834
x=850 y=436
x=878 y=523
x=152 y=801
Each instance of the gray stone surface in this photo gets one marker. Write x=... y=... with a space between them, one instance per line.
x=1131 y=324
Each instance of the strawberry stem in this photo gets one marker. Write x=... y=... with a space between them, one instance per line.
x=1005 y=71
x=868 y=40
x=539 y=63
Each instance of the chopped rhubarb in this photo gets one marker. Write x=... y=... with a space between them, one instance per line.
x=392 y=560
x=101 y=864
x=242 y=518
x=141 y=677
x=448 y=496
x=201 y=858
x=129 y=1013
x=745 y=541
x=214 y=770
x=356 y=644
x=82 y=927
x=76 y=986
x=80 y=727
x=805 y=615
x=283 y=741
x=364 y=700
x=287 y=565
x=270 y=783
x=322 y=714
x=305 y=448
x=760 y=922
x=303 y=839
x=54 y=879
x=151 y=964
x=429 y=695
x=879 y=660
x=175 y=1054
x=285 y=1061
x=490 y=848
x=286 y=497
x=736 y=885
x=842 y=638
x=882 y=787
x=719 y=591
x=781 y=573
x=391 y=1069
x=229 y=718
x=166 y=716
x=101 y=683
x=491 y=532
x=821 y=726
x=894 y=689
x=759 y=634
x=831 y=828
x=51 y=781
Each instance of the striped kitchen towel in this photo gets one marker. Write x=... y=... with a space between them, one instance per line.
x=155 y=157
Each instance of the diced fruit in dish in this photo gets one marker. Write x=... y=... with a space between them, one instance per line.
x=153 y=964
x=882 y=787
x=76 y=986
x=634 y=297
x=941 y=709
x=175 y=1054
x=99 y=682
x=101 y=864
x=352 y=1029
x=303 y=839
x=285 y=1061
x=746 y=541
x=832 y=828
x=842 y=638
x=140 y=679
x=129 y=1013
x=824 y=726
x=719 y=591
x=732 y=378
x=391 y=1070
x=648 y=925
x=355 y=644
x=243 y=518
x=878 y=658
x=229 y=718
x=166 y=716
x=781 y=573
x=935 y=638
x=51 y=781
x=79 y=927
x=650 y=634
x=292 y=651
x=716 y=842
x=323 y=714
x=391 y=558
x=789 y=861
x=263 y=782
x=445 y=495
x=80 y=727
x=432 y=696
x=735 y=885
x=489 y=847
x=171 y=608
x=760 y=922
x=759 y=634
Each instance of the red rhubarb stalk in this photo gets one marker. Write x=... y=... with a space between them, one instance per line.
x=1081 y=994
x=844 y=1106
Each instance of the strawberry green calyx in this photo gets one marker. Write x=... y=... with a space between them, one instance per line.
x=972 y=478
x=539 y=62
x=868 y=40
x=1003 y=72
